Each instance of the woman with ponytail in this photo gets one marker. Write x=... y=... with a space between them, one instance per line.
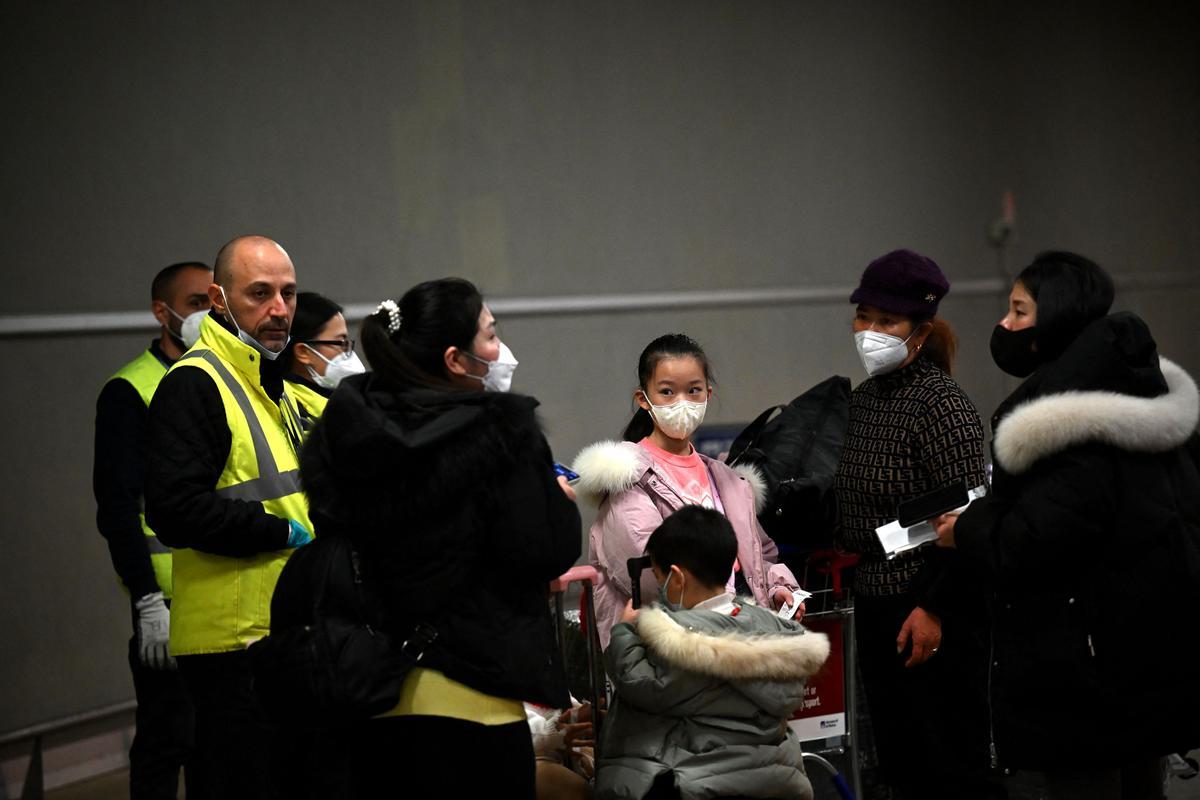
x=445 y=485
x=655 y=471
x=912 y=430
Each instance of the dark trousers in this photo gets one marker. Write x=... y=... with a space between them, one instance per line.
x=163 y=740
x=930 y=720
x=239 y=752
x=442 y=757
x=1139 y=780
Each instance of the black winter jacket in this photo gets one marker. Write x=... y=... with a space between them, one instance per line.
x=452 y=499
x=1092 y=538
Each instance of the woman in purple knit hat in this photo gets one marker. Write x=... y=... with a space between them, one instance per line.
x=912 y=430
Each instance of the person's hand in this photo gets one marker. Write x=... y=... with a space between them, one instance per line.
x=629 y=613
x=567 y=488
x=782 y=596
x=578 y=734
x=944 y=525
x=925 y=630
x=153 y=631
x=298 y=535
x=580 y=713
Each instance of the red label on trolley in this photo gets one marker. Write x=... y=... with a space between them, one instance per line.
x=823 y=712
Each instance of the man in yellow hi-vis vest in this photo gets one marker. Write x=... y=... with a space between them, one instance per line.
x=223 y=491
x=163 y=739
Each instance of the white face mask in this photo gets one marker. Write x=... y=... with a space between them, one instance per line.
x=499 y=372
x=343 y=365
x=269 y=355
x=680 y=419
x=189 y=327
x=881 y=353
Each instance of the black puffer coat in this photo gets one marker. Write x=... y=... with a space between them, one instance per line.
x=1092 y=537
x=452 y=499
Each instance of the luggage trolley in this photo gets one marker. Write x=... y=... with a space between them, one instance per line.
x=588 y=578
x=828 y=712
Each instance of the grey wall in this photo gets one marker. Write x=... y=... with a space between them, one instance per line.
x=550 y=148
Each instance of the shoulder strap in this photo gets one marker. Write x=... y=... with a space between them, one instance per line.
x=749 y=437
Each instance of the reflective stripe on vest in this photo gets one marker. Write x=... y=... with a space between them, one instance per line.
x=309 y=402
x=270 y=483
x=222 y=603
x=144 y=374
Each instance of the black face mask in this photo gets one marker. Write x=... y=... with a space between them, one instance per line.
x=1013 y=350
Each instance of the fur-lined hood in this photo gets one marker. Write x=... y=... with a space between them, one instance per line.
x=732 y=655
x=610 y=466
x=1052 y=423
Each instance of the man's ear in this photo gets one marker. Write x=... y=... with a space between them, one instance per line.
x=159 y=309
x=214 y=297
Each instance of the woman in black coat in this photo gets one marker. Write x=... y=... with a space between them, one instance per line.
x=1091 y=538
x=446 y=486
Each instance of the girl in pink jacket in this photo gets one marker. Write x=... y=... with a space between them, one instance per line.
x=656 y=471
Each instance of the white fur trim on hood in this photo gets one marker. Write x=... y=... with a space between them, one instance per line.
x=608 y=467
x=733 y=656
x=1051 y=424
x=758 y=484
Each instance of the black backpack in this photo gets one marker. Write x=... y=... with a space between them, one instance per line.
x=797 y=452
x=326 y=660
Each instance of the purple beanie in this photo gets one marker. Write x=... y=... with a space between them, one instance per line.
x=902 y=282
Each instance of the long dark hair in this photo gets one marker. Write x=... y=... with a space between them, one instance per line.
x=312 y=312
x=1070 y=291
x=434 y=316
x=671 y=345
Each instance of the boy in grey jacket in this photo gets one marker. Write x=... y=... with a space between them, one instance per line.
x=705 y=682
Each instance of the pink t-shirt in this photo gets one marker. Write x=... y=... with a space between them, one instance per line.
x=687 y=472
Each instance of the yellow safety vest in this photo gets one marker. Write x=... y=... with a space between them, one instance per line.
x=143 y=374
x=309 y=402
x=224 y=603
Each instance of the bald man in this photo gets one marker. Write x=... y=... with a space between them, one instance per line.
x=223 y=492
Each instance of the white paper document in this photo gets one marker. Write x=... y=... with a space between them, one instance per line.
x=896 y=539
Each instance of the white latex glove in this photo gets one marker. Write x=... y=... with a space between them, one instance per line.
x=154 y=629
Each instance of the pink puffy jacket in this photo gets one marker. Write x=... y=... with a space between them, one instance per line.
x=635 y=496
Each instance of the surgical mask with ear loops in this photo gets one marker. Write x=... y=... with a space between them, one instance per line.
x=499 y=372
x=664 y=597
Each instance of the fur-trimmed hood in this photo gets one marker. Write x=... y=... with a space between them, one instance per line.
x=610 y=466
x=1052 y=423
x=732 y=655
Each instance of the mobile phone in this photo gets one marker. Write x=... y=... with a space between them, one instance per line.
x=635 y=567
x=566 y=472
x=931 y=505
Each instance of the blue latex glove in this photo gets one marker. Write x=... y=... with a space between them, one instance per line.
x=299 y=535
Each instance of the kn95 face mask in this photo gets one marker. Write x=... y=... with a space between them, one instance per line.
x=880 y=353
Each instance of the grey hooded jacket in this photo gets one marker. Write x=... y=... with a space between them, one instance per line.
x=706 y=696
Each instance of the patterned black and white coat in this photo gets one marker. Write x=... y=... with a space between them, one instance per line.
x=1091 y=538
